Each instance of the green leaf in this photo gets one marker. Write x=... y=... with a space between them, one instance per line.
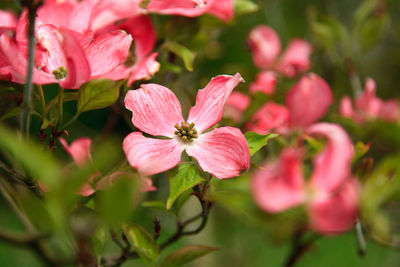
x=360 y=150
x=183 y=52
x=257 y=141
x=97 y=94
x=185 y=178
x=13 y=112
x=243 y=7
x=143 y=242
x=186 y=254
x=373 y=31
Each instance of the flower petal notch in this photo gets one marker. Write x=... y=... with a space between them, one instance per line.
x=157 y=111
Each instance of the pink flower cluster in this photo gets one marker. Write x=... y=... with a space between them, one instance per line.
x=369 y=107
x=265 y=46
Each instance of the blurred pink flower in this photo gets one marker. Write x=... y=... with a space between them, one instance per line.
x=308 y=100
x=265 y=82
x=368 y=106
x=235 y=105
x=223 y=152
x=265 y=47
x=270 y=117
x=222 y=9
x=331 y=194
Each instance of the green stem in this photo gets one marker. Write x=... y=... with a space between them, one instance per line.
x=71 y=120
x=60 y=105
x=42 y=99
x=26 y=107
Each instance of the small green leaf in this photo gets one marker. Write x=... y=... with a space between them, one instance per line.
x=97 y=94
x=186 y=254
x=373 y=31
x=360 y=150
x=243 y=7
x=143 y=242
x=183 y=52
x=185 y=178
x=13 y=112
x=257 y=141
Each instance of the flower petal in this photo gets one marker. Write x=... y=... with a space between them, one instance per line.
x=265 y=82
x=332 y=166
x=296 y=58
x=235 y=105
x=79 y=149
x=223 y=152
x=145 y=68
x=8 y=20
x=346 y=107
x=332 y=214
x=265 y=46
x=279 y=185
x=57 y=13
x=210 y=101
x=390 y=111
x=222 y=9
x=188 y=8
x=308 y=100
x=367 y=103
x=150 y=156
x=78 y=69
x=155 y=109
x=108 y=51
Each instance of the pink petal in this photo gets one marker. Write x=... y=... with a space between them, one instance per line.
x=279 y=185
x=142 y=30
x=145 y=68
x=296 y=58
x=108 y=51
x=78 y=69
x=222 y=9
x=57 y=13
x=265 y=82
x=308 y=100
x=390 y=110
x=8 y=20
x=270 y=117
x=346 y=107
x=332 y=166
x=79 y=149
x=108 y=181
x=367 y=103
x=210 y=101
x=223 y=152
x=155 y=109
x=150 y=156
x=265 y=46
x=335 y=213
x=188 y=8
x=235 y=105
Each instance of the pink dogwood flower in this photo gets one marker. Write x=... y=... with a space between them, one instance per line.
x=331 y=194
x=265 y=83
x=235 y=106
x=223 y=152
x=222 y=9
x=369 y=107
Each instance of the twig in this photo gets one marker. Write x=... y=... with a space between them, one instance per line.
x=298 y=248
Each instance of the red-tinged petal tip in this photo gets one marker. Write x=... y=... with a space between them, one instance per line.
x=279 y=185
x=223 y=152
x=150 y=156
x=210 y=101
x=79 y=149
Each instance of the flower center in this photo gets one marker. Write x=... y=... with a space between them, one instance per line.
x=186 y=131
x=60 y=73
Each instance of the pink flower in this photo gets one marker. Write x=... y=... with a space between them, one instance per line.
x=270 y=117
x=308 y=100
x=265 y=46
x=222 y=9
x=223 y=152
x=265 y=82
x=235 y=105
x=331 y=195
x=368 y=106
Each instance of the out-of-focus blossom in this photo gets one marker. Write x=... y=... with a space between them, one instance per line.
x=8 y=20
x=308 y=100
x=265 y=47
x=270 y=117
x=222 y=9
x=222 y=152
x=235 y=105
x=265 y=82
x=369 y=107
x=331 y=195
x=146 y=184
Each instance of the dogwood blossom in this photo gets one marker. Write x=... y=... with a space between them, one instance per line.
x=223 y=152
